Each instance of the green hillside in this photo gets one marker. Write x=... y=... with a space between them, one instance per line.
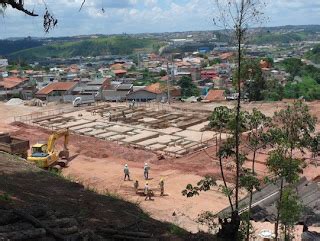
x=278 y=38
x=314 y=54
x=116 y=45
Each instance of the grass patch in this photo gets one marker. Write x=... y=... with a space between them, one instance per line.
x=176 y=230
x=5 y=197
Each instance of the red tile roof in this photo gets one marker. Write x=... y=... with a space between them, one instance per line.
x=164 y=78
x=14 y=71
x=155 y=88
x=215 y=95
x=119 y=71
x=226 y=55
x=29 y=71
x=116 y=66
x=12 y=82
x=57 y=86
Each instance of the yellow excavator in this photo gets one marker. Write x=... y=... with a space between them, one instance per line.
x=46 y=156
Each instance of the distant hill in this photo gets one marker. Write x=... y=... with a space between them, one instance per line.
x=277 y=38
x=37 y=49
x=9 y=46
x=115 y=45
x=286 y=34
x=314 y=54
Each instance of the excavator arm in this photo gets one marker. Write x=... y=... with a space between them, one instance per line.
x=55 y=136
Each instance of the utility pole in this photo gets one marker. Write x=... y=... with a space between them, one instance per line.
x=171 y=78
x=168 y=82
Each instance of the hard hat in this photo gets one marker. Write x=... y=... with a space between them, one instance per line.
x=126 y=165
x=146 y=164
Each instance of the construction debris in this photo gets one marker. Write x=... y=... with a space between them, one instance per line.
x=14 y=101
x=34 y=102
x=14 y=145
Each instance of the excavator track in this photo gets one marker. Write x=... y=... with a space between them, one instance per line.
x=62 y=163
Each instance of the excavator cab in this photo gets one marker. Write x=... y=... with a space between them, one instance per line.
x=39 y=150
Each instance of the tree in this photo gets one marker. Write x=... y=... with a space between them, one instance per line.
x=290 y=211
x=254 y=82
x=220 y=121
x=188 y=88
x=238 y=16
x=223 y=120
x=49 y=21
x=293 y=130
x=163 y=73
x=293 y=67
x=18 y=5
x=274 y=91
x=257 y=122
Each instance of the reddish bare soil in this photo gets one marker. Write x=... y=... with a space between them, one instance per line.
x=29 y=188
x=99 y=165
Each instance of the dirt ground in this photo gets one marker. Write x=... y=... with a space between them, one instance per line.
x=29 y=187
x=99 y=165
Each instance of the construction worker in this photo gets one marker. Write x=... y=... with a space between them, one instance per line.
x=136 y=186
x=146 y=169
x=126 y=172
x=147 y=192
x=161 y=184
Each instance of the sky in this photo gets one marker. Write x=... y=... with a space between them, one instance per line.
x=141 y=16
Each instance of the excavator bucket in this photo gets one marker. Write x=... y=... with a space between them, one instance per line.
x=64 y=154
x=62 y=162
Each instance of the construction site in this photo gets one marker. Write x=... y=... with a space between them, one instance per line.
x=174 y=140
x=171 y=133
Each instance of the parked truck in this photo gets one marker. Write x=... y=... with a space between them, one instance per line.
x=78 y=101
x=13 y=145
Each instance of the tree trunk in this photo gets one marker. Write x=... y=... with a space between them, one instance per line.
x=237 y=132
x=276 y=227
x=251 y=195
x=222 y=175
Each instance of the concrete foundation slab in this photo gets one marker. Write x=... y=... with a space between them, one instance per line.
x=199 y=127
x=106 y=135
x=119 y=128
x=117 y=137
x=157 y=147
x=173 y=149
x=145 y=135
x=95 y=132
x=196 y=136
x=84 y=131
x=169 y=130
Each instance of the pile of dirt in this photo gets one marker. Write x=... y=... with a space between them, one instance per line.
x=14 y=101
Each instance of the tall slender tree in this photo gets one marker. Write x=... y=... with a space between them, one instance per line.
x=236 y=16
x=293 y=130
x=257 y=123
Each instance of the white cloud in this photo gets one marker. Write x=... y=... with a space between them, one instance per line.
x=134 y=16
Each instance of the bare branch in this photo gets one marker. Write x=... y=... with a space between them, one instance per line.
x=19 y=6
x=82 y=5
